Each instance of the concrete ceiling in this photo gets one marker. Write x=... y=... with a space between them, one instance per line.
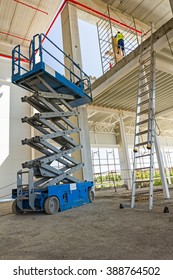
x=122 y=95
x=105 y=120
x=20 y=20
x=157 y=11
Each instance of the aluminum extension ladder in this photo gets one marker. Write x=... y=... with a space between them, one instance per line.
x=145 y=121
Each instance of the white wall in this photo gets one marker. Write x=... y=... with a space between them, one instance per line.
x=18 y=131
x=4 y=121
x=165 y=141
x=109 y=140
x=102 y=139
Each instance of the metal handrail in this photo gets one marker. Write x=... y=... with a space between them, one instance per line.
x=16 y=61
x=81 y=79
x=130 y=43
x=67 y=56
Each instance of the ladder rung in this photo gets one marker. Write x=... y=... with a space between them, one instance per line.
x=144 y=85
x=147 y=59
x=144 y=93
x=142 y=168
x=142 y=112
x=142 y=181
x=142 y=132
x=146 y=76
x=146 y=155
x=143 y=102
x=141 y=144
x=145 y=69
x=142 y=122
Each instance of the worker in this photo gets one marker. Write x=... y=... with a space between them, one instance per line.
x=120 y=42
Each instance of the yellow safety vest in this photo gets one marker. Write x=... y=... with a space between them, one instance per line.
x=120 y=36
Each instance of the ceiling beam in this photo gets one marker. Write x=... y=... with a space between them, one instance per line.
x=103 y=120
x=6 y=44
x=98 y=8
x=101 y=109
x=31 y=7
x=168 y=111
x=14 y=36
x=164 y=65
x=171 y=4
x=91 y=114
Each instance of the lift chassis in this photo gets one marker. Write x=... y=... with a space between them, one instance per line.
x=48 y=183
x=53 y=198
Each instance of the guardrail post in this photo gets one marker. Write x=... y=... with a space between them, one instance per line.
x=19 y=60
x=40 y=47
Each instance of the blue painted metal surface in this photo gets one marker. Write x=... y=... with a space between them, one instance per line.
x=78 y=85
x=69 y=196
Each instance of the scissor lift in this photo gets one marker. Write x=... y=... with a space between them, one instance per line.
x=51 y=185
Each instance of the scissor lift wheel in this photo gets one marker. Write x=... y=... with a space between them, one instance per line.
x=15 y=209
x=91 y=195
x=51 y=205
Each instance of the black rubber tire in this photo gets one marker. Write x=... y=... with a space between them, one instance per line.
x=91 y=195
x=51 y=205
x=15 y=209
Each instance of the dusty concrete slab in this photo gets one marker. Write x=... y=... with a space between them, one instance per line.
x=95 y=231
x=5 y=208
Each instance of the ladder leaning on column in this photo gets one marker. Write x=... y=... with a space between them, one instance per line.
x=145 y=121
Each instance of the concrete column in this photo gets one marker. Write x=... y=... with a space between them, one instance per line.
x=71 y=46
x=161 y=168
x=85 y=142
x=70 y=34
x=126 y=173
x=166 y=166
x=171 y=3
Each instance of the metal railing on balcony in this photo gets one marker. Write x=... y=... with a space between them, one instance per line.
x=107 y=29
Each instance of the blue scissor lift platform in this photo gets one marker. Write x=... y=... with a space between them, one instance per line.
x=48 y=183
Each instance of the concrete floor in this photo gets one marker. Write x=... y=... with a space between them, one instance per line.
x=95 y=231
